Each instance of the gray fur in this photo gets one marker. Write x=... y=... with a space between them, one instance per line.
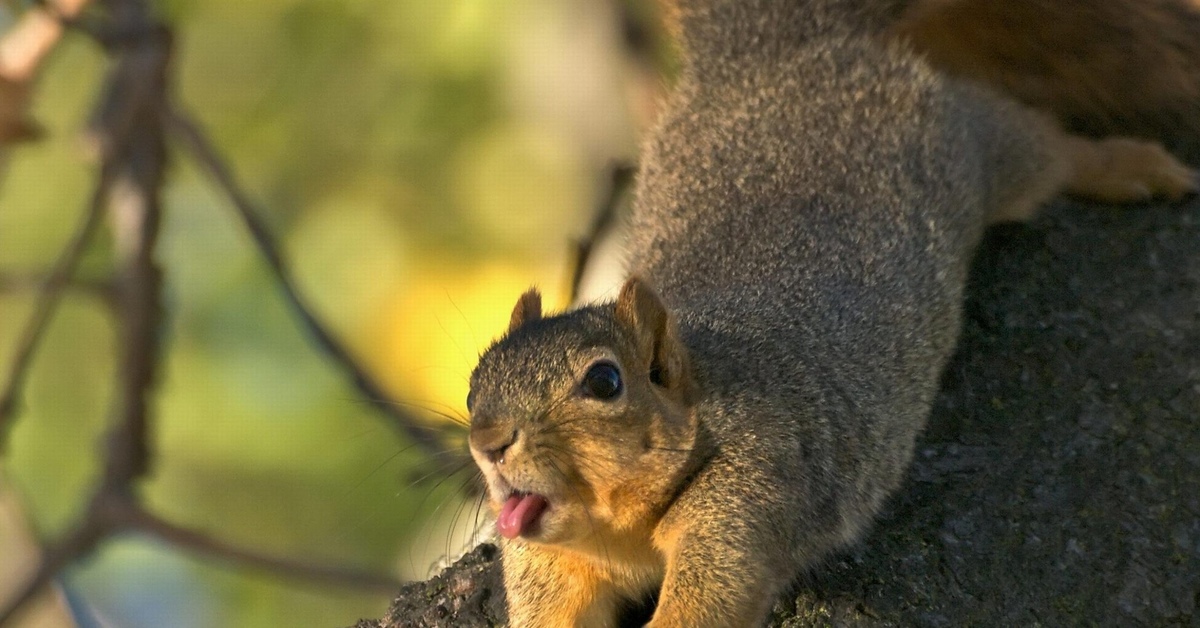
x=807 y=209
x=813 y=242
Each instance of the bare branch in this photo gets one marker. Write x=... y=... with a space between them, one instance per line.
x=23 y=48
x=135 y=210
x=204 y=545
x=132 y=89
x=48 y=299
x=130 y=186
x=620 y=176
x=127 y=132
x=198 y=146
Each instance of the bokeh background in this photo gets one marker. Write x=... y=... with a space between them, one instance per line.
x=422 y=163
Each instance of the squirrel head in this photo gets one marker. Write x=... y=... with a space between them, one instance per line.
x=583 y=423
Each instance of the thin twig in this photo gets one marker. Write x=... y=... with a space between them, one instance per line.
x=48 y=299
x=114 y=510
x=128 y=132
x=619 y=178
x=202 y=150
x=201 y=544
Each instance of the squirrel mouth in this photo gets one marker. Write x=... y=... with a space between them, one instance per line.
x=520 y=514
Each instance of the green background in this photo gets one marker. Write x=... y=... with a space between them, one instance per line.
x=422 y=162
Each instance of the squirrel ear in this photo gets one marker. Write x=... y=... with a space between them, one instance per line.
x=528 y=308
x=640 y=309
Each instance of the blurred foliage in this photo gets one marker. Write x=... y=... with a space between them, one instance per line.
x=423 y=162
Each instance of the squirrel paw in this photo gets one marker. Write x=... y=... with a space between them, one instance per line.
x=1124 y=170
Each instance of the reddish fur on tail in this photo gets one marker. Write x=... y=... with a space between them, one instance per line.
x=1102 y=67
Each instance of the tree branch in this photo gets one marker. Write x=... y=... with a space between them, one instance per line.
x=127 y=134
x=201 y=544
x=198 y=146
x=135 y=208
x=49 y=296
x=132 y=171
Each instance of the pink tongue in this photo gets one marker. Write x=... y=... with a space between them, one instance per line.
x=518 y=513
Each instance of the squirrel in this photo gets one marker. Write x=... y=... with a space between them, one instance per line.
x=805 y=214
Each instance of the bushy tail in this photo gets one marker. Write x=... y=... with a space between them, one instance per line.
x=1101 y=66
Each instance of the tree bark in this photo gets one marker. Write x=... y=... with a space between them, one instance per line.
x=1058 y=481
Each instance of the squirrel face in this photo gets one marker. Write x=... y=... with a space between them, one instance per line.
x=582 y=422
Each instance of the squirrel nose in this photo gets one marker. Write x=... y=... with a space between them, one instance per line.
x=493 y=441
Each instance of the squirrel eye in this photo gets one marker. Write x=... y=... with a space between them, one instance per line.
x=602 y=381
x=470 y=399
